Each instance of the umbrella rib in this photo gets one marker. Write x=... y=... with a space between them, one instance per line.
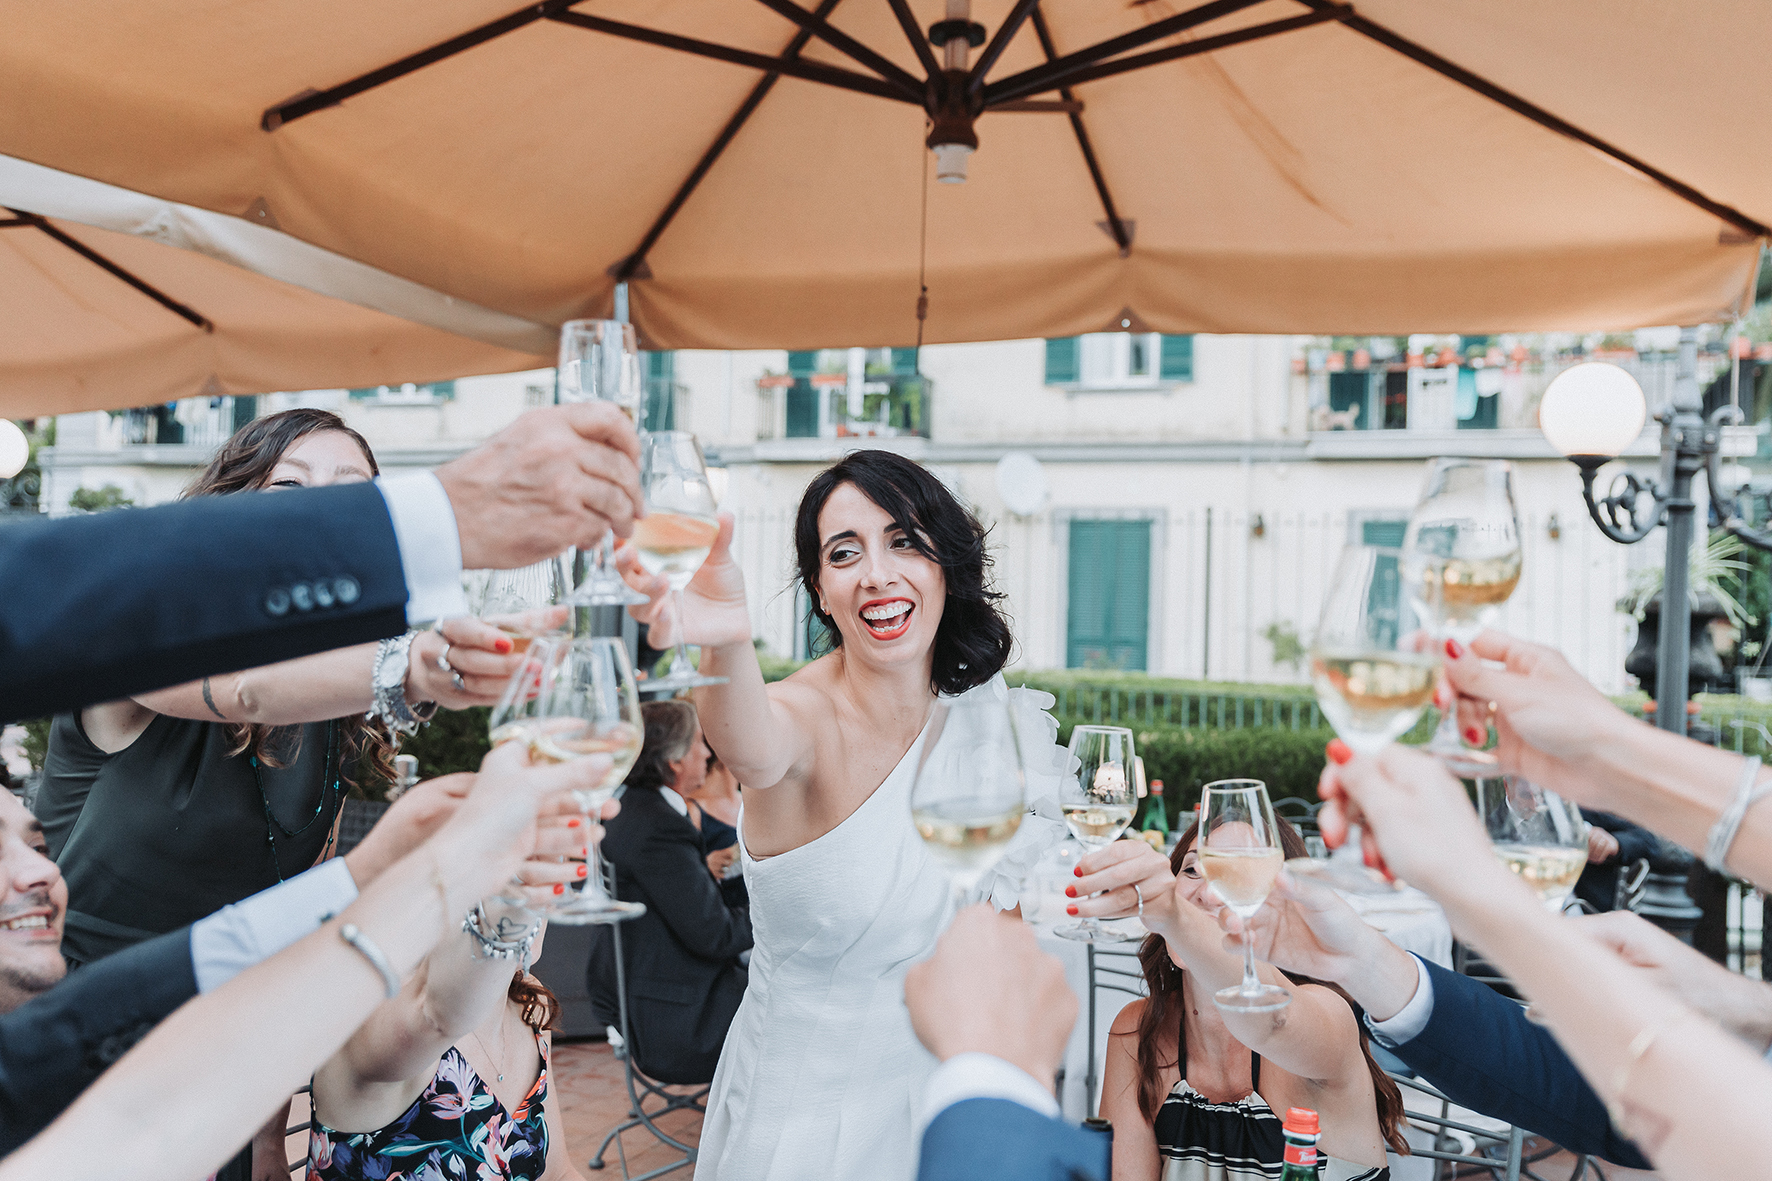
x=914 y=34
x=1117 y=227
x=1521 y=106
x=1195 y=48
x=810 y=71
x=306 y=103
x=1048 y=76
x=1005 y=33
x=92 y=256
x=631 y=266
x=844 y=43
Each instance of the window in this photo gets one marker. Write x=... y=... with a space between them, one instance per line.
x=1108 y=624
x=1119 y=360
x=802 y=398
x=658 y=409
x=406 y=394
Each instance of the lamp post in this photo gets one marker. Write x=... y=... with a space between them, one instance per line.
x=1590 y=413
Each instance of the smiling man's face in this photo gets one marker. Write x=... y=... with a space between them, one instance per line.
x=33 y=902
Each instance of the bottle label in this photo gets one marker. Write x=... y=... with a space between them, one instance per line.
x=1302 y=1154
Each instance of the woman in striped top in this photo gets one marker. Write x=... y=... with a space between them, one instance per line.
x=1193 y=1091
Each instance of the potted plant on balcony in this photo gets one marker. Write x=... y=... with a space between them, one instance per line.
x=1713 y=563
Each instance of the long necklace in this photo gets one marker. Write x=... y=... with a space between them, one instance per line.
x=272 y=824
x=500 y=1060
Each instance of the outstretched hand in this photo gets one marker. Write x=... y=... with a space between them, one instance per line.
x=714 y=600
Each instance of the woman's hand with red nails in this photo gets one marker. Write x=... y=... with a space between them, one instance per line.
x=1107 y=879
x=1548 y=719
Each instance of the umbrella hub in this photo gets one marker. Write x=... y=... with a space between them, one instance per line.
x=952 y=108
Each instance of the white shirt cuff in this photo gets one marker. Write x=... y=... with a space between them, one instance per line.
x=1412 y=1018
x=236 y=937
x=430 y=547
x=982 y=1076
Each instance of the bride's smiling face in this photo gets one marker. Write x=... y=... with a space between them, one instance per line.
x=883 y=596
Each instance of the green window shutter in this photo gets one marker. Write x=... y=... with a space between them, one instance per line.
x=1177 y=360
x=1063 y=364
x=1110 y=584
x=803 y=364
x=802 y=399
x=1388 y=534
x=658 y=410
x=1385 y=533
x=1347 y=391
x=904 y=362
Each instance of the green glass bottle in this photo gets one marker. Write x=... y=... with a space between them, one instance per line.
x=1156 y=815
x=1301 y=1133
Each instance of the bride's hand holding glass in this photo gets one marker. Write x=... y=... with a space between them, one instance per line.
x=713 y=601
x=1127 y=879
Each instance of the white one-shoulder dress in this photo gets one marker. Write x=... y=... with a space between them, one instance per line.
x=821 y=1075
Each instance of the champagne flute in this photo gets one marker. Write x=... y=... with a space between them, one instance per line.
x=675 y=535
x=1536 y=833
x=1373 y=665
x=1463 y=541
x=574 y=698
x=969 y=796
x=1239 y=846
x=600 y=362
x=1098 y=805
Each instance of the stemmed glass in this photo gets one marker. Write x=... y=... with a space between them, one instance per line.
x=1239 y=847
x=675 y=535
x=1373 y=665
x=574 y=698
x=969 y=796
x=1098 y=805
x=1463 y=541
x=600 y=362
x=1536 y=833
x=508 y=595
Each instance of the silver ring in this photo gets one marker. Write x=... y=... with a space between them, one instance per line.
x=1140 y=894
x=461 y=686
x=443 y=664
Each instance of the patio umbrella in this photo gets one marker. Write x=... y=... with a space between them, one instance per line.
x=172 y=302
x=757 y=169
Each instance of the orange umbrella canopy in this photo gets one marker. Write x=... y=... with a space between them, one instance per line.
x=758 y=170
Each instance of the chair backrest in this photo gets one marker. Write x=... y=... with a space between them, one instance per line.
x=1633 y=883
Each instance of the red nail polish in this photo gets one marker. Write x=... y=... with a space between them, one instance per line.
x=1369 y=858
x=1454 y=649
x=502 y=646
x=1070 y=891
x=582 y=871
x=559 y=889
x=1473 y=735
x=1078 y=871
x=1070 y=910
x=1339 y=752
x=573 y=823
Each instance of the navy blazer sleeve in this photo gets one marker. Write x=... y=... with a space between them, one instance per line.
x=100 y=607
x=999 y=1140
x=1479 y=1049
x=53 y=1047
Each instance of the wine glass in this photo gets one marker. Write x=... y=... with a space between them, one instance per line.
x=1373 y=665
x=1536 y=833
x=600 y=362
x=505 y=595
x=574 y=698
x=969 y=795
x=1098 y=805
x=1464 y=540
x=675 y=535
x=1239 y=847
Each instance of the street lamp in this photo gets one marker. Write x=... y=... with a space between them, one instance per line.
x=1590 y=413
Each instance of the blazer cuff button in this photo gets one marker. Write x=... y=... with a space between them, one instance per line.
x=277 y=601
x=322 y=594
x=347 y=590
x=302 y=596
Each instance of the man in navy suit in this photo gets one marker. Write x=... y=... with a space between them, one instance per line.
x=997 y=1011
x=100 y=607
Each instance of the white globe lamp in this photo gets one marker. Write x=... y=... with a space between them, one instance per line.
x=15 y=449
x=1592 y=412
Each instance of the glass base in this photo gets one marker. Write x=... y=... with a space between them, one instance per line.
x=1466 y=763
x=592 y=911
x=1264 y=999
x=1094 y=933
x=676 y=681
x=1345 y=876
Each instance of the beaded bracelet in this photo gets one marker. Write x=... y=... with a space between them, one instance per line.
x=492 y=947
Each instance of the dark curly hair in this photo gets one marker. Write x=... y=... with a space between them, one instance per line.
x=973 y=642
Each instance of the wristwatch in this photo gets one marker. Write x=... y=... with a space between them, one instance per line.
x=392 y=660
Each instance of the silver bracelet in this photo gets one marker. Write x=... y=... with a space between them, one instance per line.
x=389 y=701
x=1722 y=833
x=500 y=946
x=365 y=947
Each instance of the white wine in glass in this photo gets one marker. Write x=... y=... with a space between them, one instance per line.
x=1537 y=834
x=1239 y=847
x=600 y=362
x=677 y=533
x=969 y=797
x=1098 y=804
x=1374 y=659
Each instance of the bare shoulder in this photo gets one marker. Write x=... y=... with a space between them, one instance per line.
x=1127 y=1021
x=806 y=693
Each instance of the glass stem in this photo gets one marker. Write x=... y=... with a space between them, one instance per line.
x=1446 y=735
x=1251 y=982
x=603 y=564
x=680 y=661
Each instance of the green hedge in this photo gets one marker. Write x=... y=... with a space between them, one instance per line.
x=1288 y=761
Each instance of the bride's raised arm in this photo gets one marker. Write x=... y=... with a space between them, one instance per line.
x=762 y=736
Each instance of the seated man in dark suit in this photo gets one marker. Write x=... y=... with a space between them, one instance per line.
x=680 y=958
x=1613 y=845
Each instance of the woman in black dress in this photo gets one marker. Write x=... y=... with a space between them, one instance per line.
x=163 y=808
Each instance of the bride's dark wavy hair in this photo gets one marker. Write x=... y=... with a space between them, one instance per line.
x=972 y=642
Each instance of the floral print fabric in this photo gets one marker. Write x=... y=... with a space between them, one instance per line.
x=457 y=1130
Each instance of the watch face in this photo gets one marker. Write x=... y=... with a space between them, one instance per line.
x=391 y=673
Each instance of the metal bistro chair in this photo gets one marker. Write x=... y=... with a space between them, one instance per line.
x=642 y=1089
x=301 y=1162
x=1500 y=1154
x=1122 y=975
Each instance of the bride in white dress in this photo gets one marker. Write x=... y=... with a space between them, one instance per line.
x=821 y=1074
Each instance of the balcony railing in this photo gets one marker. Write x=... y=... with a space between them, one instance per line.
x=832 y=406
x=193 y=422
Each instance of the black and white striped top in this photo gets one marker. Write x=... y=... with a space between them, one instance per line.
x=1199 y=1140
